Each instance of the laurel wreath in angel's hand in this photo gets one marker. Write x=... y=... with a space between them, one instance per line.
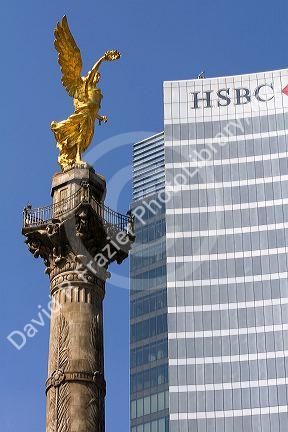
x=112 y=55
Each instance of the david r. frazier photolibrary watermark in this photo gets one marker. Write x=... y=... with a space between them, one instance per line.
x=19 y=337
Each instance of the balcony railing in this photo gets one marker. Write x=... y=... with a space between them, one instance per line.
x=43 y=215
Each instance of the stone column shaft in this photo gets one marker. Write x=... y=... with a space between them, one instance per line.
x=76 y=387
x=69 y=236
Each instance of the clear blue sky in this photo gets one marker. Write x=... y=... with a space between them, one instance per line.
x=160 y=40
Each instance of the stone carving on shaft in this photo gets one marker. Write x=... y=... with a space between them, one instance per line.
x=59 y=393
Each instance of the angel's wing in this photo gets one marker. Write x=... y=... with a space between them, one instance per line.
x=69 y=57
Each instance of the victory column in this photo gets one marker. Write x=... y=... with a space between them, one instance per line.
x=77 y=237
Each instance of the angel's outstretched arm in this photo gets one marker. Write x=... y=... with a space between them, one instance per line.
x=108 y=56
x=94 y=70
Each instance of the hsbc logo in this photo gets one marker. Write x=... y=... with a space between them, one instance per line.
x=237 y=96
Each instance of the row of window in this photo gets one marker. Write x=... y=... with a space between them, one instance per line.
x=226 y=173
x=228 y=345
x=232 y=423
x=227 y=268
x=145 y=145
x=150 y=232
x=218 y=373
x=152 y=172
x=148 y=182
x=160 y=425
x=146 y=158
x=149 y=378
x=147 y=170
x=149 y=280
x=148 y=304
x=232 y=293
x=144 y=152
x=148 y=256
x=228 y=319
x=230 y=243
x=253 y=125
x=149 y=160
x=223 y=400
x=149 y=353
x=149 y=404
x=156 y=187
x=148 y=328
x=231 y=150
x=228 y=195
x=148 y=189
x=227 y=218
x=147 y=209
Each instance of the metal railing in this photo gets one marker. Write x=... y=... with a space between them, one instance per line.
x=43 y=215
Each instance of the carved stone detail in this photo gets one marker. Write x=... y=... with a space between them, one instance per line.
x=58 y=402
x=95 y=411
x=96 y=350
x=81 y=294
x=74 y=276
x=58 y=378
x=78 y=242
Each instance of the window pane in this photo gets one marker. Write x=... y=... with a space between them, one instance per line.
x=161 y=401
x=147 y=427
x=133 y=409
x=161 y=425
x=154 y=403
x=147 y=405
x=139 y=407
x=154 y=426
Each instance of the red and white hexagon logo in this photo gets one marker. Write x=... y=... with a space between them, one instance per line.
x=285 y=90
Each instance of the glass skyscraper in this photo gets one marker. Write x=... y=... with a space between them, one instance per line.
x=216 y=183
x=149 y=333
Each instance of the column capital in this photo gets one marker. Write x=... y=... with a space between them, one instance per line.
x=77 y=230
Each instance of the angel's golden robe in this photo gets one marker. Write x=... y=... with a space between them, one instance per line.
x=74 y=134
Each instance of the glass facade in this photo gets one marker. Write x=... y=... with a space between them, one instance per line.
x=227 y=241
x=209 y=297
x=148 y=299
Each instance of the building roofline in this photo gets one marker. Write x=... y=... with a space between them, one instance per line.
x=166 y=83
x=159 y=134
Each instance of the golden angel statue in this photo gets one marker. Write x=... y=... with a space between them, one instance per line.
x=74 y=134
